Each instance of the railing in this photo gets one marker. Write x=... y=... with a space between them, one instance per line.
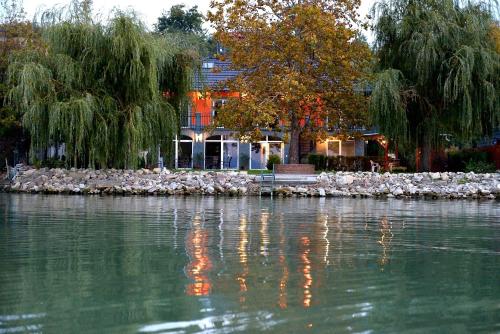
x=196 y=121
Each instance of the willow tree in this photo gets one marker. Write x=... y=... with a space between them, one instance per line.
x=439 y=72
x=98 y=88
x=298 y=60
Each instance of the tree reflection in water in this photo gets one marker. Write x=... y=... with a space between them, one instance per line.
x=282 y=300
x=247 y=262
x=386 y=235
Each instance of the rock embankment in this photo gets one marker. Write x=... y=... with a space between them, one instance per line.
x=341 y=184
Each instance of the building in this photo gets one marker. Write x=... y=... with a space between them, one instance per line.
x=221 y=149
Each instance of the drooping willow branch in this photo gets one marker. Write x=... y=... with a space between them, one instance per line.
x=100 y=90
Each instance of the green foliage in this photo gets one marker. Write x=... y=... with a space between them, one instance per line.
x=480 y=167
x=98 y=87
x=185 y=29
x=16 y=34
x=51 y=163
x=318 y=160
x=244 y=161
x=177 y=19
x=198 y=160
x=469 y=160
x=273 y=160
x=438 y=71
x=300 y=67
x=259 y=171
x=338 y=163
x=398 y=170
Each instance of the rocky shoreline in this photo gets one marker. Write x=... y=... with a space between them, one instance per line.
x=231 y=183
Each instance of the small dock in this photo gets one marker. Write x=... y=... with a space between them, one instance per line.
x=286 y=175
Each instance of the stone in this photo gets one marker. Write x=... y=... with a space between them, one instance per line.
x=398 y=192
x=157 y=170
x=435 y=176
x=346 y=180
x=341 y=184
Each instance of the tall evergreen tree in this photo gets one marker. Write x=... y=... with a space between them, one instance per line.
x=439 y=72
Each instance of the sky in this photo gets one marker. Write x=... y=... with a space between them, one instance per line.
x=149 y=10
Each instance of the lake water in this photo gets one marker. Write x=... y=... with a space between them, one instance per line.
x=71 y=264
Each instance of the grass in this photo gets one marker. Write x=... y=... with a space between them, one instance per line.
x=249 y=172
x=258 y=171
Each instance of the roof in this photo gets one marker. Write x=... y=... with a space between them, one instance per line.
x=214 y=72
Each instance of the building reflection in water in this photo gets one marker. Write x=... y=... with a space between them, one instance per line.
x=282 y=300
x=264 y=233
x=221 y=235
x=243 y=258
x=386 y=235
x=200 y=264
x=323 y=222
x=306 y=270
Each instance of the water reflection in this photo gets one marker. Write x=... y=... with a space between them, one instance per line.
x=306 y=271
x=123 y=265
x=200 y=264
x=386 y=235
x=243 y=258
x=283 y=265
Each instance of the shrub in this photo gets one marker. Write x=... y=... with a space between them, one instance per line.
x=273 y=160
x=480 y=167
x=339 y=163
x=399 y=169
x=198 y=161
x=457 y=161
x=244 y=161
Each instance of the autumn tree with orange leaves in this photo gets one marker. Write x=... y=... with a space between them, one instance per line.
x=302 y=66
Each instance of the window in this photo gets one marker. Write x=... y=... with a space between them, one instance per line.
x=349 y=148
x=333 y=148
x=208 y=65
x=184 y=152
x=259 y=152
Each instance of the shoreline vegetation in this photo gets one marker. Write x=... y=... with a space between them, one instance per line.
x=164 y=182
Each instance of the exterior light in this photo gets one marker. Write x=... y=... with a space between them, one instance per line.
x=198 y=137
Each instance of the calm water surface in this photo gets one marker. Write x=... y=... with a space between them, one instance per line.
x=71 y=264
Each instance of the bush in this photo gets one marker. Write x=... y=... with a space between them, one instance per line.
x=198 y=161
x=273 y=160
x=399 y=169
x=458 y=161
x=480 y=167
x=339 y=163
x=49 y=163
x=313 y=159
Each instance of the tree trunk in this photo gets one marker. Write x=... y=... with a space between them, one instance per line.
x=293 y=154
x=423 y=155
x=426 y=156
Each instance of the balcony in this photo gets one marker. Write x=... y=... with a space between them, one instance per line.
x=196 y=121
x=202 y=120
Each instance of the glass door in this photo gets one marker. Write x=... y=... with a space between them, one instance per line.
x=258 y=153
x=213 y=155
x=230 y=152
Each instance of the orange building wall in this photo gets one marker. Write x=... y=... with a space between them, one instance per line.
x=202 y=104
